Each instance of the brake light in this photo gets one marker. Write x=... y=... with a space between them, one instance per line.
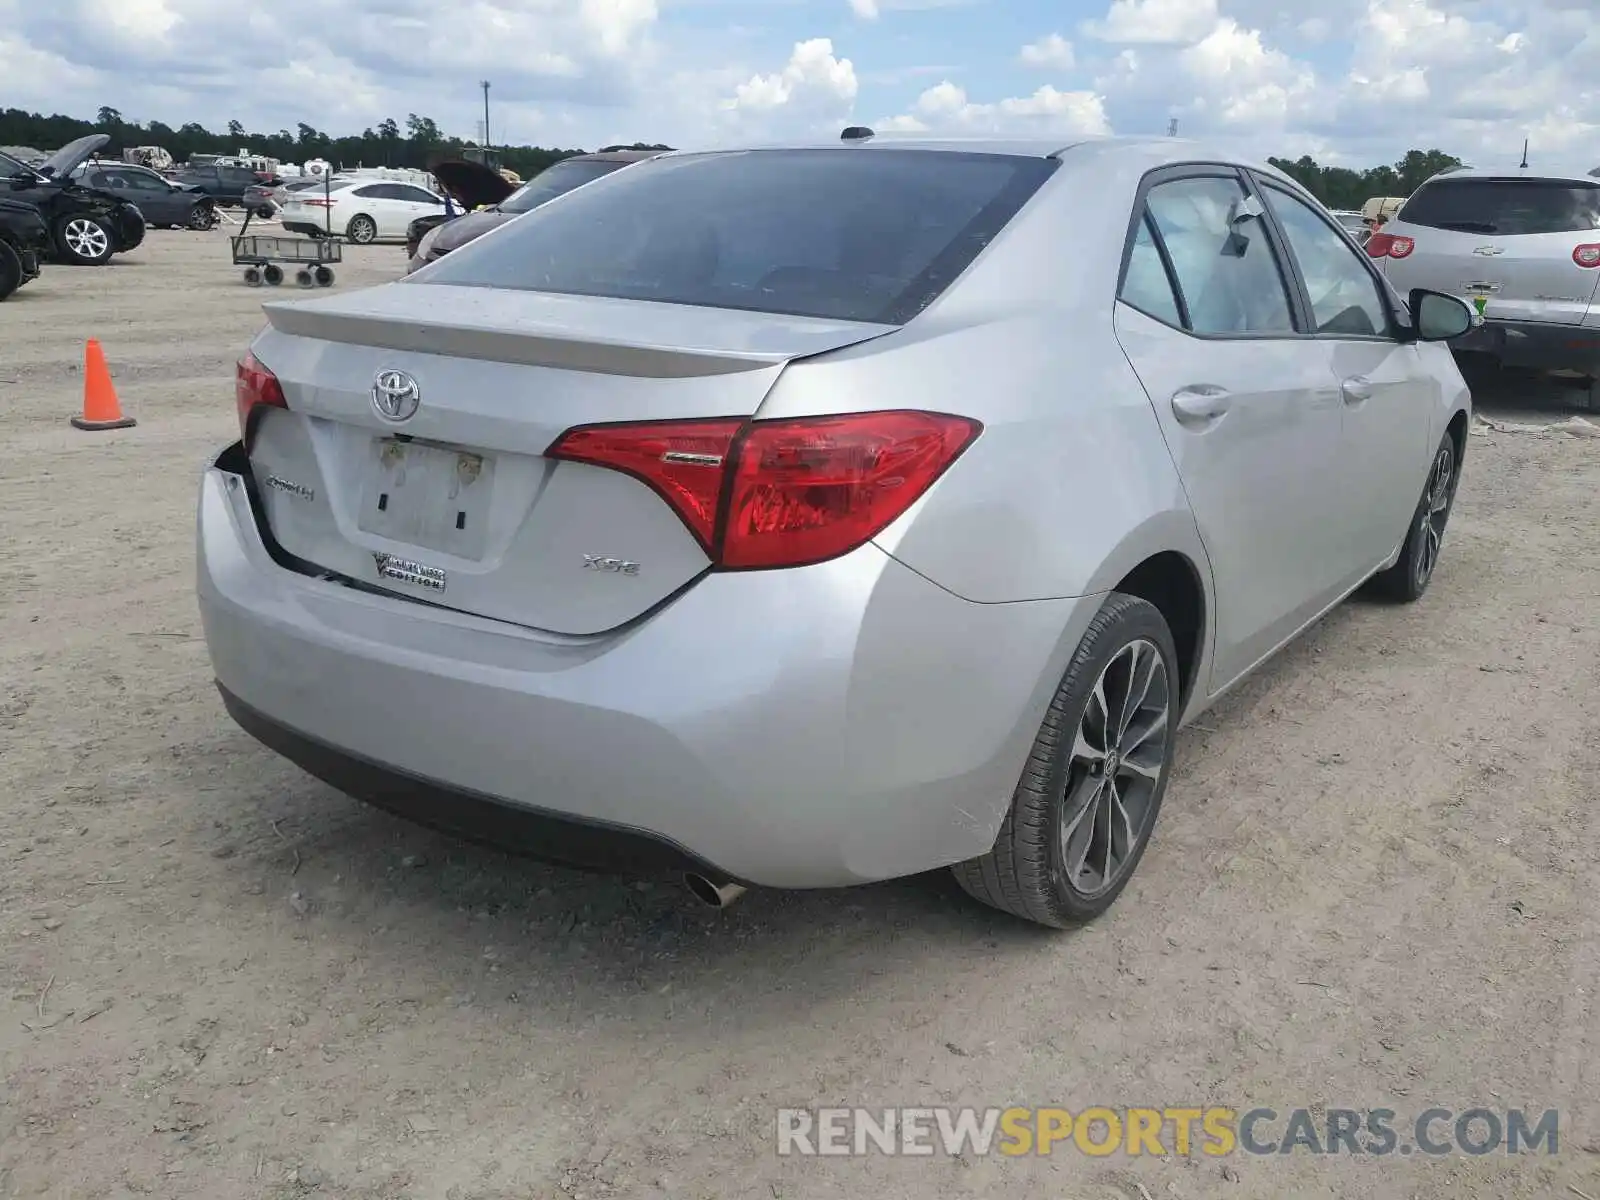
x=1587 y=255
x=255 y=387
x=787 y=493
x=1389 y=245
x=318 y=203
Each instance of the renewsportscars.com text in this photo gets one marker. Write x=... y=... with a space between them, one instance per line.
x=1208 y=1130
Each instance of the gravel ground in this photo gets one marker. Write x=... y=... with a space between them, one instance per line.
x=1374 y=884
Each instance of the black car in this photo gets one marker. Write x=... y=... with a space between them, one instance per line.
x=24 y=240
x=224 y=184
x=163 y=204
x=87 y=226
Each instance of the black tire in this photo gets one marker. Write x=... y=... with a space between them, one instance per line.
x=323 y=276
x=10 y=270
x=1405 y=582
x=1027 y=873
x=362 y=230
x=265 y=212
x=303 y=278
x=252 y=276
x=272 y=274
x=78 y=245
x=202 y=217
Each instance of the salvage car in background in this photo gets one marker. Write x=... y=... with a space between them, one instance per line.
x=87 y=225
x=163 y=204
x=24 y=241
x=555 y=180
x=817 y=515
x=364 y=210
x=1523 y=247
x=471 y=186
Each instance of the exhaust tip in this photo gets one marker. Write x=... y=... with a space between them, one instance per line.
x=707 y=891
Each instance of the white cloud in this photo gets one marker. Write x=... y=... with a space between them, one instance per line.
x=813 y=75
x=946 y=108
x=1052 y=52
x=867 y=10
x=1168 y=22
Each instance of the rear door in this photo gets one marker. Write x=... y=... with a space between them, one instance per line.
x=1508 y=241
x=159 y=204
x=1389 y=398
x=1248 y=405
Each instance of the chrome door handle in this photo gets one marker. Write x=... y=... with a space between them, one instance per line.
x=1201 y=403
x=1356 y=389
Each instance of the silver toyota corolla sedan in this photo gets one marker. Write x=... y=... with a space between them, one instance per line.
x=811 y=515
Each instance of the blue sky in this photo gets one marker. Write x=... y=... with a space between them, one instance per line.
x=1356 y=81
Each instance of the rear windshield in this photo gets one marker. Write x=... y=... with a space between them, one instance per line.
x=1505 y=206
x=555 y=181
x=850 y=234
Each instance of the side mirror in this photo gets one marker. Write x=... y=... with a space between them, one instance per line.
x=1437 y=317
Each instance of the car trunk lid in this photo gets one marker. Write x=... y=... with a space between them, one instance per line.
x=455 y=504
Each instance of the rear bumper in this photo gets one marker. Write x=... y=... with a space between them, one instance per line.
x=1529 y=344
x=834 y=725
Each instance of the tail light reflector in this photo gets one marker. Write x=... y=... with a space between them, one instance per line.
x=255 y=387
x=787 y=493
x=1587 y=255
x=1389 y=245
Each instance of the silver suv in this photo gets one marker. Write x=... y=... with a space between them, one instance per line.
x=1523 y=247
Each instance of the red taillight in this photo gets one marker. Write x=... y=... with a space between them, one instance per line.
x=318 y=203
x=1389 y=245
x=1587 y=255
x=780 y=493
x=254 y=387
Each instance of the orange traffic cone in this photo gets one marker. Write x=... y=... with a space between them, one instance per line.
x=100 y=407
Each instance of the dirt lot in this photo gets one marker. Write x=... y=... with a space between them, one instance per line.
x=1375 y=884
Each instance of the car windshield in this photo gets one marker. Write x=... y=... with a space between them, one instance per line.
x=1505 y=206
x=848 y=234
x=13 y=166
x=555 y=181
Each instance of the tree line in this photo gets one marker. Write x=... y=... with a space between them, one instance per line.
x=420 y=143
x=1341 y=187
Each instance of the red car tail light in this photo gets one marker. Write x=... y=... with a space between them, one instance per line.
x=1587 y=255
x=1389 y=245
x=682 y=461
x=783 y=493
x=255 y=387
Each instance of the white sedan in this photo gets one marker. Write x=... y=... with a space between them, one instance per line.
x=362 y=210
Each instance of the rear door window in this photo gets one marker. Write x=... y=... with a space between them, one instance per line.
x=1505 y=206
x=852 y=234
x=1226 y=269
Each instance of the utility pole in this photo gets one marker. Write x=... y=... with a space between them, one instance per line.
x=1172 y=127
x=484 y=84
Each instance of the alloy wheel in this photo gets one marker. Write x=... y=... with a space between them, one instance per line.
x=1435 y=511
x=1119 y=751
x=86 y=238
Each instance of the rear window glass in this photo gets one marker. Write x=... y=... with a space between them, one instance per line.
x=555 y=181
x=850 y=234
x=1505 y=206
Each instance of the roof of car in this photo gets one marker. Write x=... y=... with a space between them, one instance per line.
x=1152 y=149
x=1515 y=170
x=614 y=156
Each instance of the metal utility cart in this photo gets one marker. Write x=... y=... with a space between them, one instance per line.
x=264 y=256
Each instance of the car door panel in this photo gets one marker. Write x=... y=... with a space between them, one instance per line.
x=1256 y=474
x=1249 y=409
x=1388 y=396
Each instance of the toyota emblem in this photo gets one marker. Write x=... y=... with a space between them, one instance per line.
x=395 y=396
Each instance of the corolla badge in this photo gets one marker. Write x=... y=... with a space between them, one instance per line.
x=395 y=395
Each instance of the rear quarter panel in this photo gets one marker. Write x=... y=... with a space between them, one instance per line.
x=1070 y=485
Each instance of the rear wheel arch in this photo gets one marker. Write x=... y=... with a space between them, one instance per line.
x=1171 y=582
